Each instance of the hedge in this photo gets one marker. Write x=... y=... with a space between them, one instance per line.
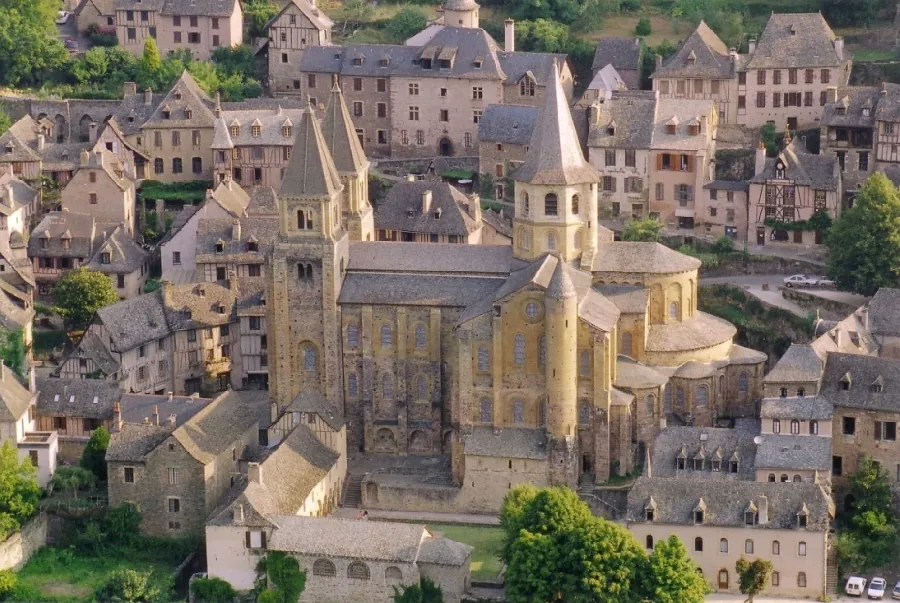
x=187 y=192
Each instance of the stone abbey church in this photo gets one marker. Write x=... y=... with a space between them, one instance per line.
x=552 y=361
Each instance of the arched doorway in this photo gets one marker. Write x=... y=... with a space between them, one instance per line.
x=445 y=147
x=723 y=579
x=586 y=466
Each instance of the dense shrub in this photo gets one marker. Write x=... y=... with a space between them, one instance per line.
x=128 y=586
x=212 y=590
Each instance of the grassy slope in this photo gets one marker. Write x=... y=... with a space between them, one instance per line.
x=487 y=541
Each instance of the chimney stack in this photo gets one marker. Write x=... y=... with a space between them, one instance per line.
x=148 y=96
x=41 y=140
x=232 y=281
x=410 y=177
x=254 y=473
x=475 y=207
x=171 y=396
x=509 y=35
x=9 y=196
x=839 y=47
x=239 y=513
x=218 y=109
x=831 y=94
x=92 y=132
x=760 y=163
x=426 y=202
x=155 y=419
x=85 y=157
x=751 y=45
x=129 y=89
x=117 y=418
x=172 y=420
x=236 y=230
x=762 y=506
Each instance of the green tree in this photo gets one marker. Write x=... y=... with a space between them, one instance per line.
x=672 y=575
x=643 y=27
x=12 y=351
x=19 y=491
x=8 y=581
x=80 y=293
x=753 y=576
x=424 y=592
x=231 y=60
x=212 y=590
x=5 y=122
x=94 y=456
x=151 y=64
x=648 y=230
x=128 y=586
x=872 y=532
x=284 y=572
x=257 y=13
x=30 y=52
x=405 y=23
x=864 y=242
x=92 y=67
x=72 y=479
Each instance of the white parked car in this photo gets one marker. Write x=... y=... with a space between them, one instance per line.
x=895 y=594
x=876 y=588
x=800 y=280
x=855 y=586
x=62 y=17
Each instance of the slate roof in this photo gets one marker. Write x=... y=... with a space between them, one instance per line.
x=193 y=99
x=884 y=312
x=864 y=373
x=91 y=347
x=125 y=256
x=340 y=135
x=800 y=363
x=12 y=316
x=22 y=194
x=270 y=121
x=651 y=258
x=624 y=121
x=216 y=427
x=197 y=305
x=795 y=40
x=517 y=443
x=235 y=236
x=702 y=55
x=799 y=452
x=684 y=112
x=316 y=16
x=628 y=299
x=135 y=440
x=554 y=155
x=801 y=166
x=443 y=551
x=19 y=143
x=87 y=398
x=314 y=402
x=621 y=53
x=851 y=335
x=104 y=7
x=537 y=65
x=412 y=289
x=888 y=108
x=726 y=502
x=607 y=79
x=471 y=260
x=497 y=221
x=79 y=229
x=136 y=407
x=251 y=292
x=311 y=171
x=727 y=185
x=134 y=322
x=14 y=397
x=632 y=375
x=710 y=443
x=700 y=331
x=134 y=111
x=345 y=538
x=62 y=157
x=848 y=110
x=447 y=214
x=208 y=8
x=507 y=124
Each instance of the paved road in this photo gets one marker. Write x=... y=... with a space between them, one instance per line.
x=717 y=598
x=753 y=284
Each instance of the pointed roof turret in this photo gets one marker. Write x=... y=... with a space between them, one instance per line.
x=340 y=135
x=311 y=171
x=561 y=286
x=554 y=155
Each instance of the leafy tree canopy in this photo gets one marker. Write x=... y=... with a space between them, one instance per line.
x=94 y=456
x=673 y=575
x=424 y=592
x=864 y=242
x=753 y=576
x=128 y=586
x=72 y=479
x=80 y=293
x=5 y=122
x=19 y=491
x=29 y=48
x=642 y=230
x=406 y=23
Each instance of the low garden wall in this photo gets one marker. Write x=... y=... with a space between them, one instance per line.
x=18 y=548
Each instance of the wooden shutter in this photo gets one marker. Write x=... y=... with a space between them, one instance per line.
x=248 y=538
x=613 y=179
x=263 y=536
x=659 y=161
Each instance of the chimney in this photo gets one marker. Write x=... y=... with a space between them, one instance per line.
x=9 y=196
x=254 y=473
x=658 y=61
x=273 y=413
x=831 y=94
x=218 y=109
x=426 y=202
x=171 y=396
x=92 y=132
x=85 y=157
x=32 y=381
x=475 y=207
x=129 y=89
x=155 y=416
x=232 y=281
x=239 y=513
x=760 y=163
x=40 y=143
x=148 y=96
x=839 y=47
x=236 y=230
x=100 y=158
x=703 y=123
x=410 y=177
x=751 y=45
x=117 y=418
x=762 y=506
x=509 y=35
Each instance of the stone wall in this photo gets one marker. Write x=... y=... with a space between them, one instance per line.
x=810 y=300
x=18 y=548
x=761 y=265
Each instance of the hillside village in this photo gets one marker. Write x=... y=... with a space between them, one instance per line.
x=342 y=326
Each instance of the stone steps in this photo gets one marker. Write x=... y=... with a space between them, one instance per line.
x=353 y=491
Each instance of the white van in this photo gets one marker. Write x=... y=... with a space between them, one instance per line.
x=856 y=586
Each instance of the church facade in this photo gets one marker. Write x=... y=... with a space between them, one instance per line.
x=552 y=361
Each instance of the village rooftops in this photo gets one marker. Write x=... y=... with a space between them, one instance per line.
x=621 y=53
x=703 y=55
x=884 y=312
x=508 y=124
x=14 y=397
x=862 y=382
x=799 y=364
x=427 y=208
x=624 y=121
x=801 y=166
x=88 y=398
x=855 y=107
x=795 y=40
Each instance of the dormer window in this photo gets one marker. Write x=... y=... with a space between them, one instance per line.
x=751 y=518
x=255 y=131
x=671 y=129
x=784 y=392
x=733 y=467
x=649 y=514
x=286 y=131
x=779 y=170
x=841 y=110
x=221 y=309
x=166 y=114
x=694 y=129
x=177 y=95
x=478 y=62
x=437 y=213
x=220 y=246
x=716 y=465
x=445 y=63
x=66 y=243
x=358 y=61
x=698 y=516
x=384 y=62
x=801 y=392
x=252 y=246
x=698 y=464
x=105 y=258
x=865 y=112
x=679 y=464
x=845 y=383
x=803 y=518
x=235 y=130
x=877 y=386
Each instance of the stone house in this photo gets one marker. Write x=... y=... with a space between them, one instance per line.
x=125 y=262
x=624 y=54
x=503 y=137
x=887 y=127
x=100 y=13
x=18 y=203
x=178 y=248
x=200 y=27
x=74 y=408
x=787 y=192
x=176 y=475
x=63 y=241
x=18 y=424
x=802 y=426
x=297 y=26
x=681 y=155
x=847 y=132
x=428 y=212
x=20 y=149
x=619 y=140
x=603 y=85
x=101 y=188
x=723 y=206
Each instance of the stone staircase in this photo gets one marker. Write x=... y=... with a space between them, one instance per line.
x=353 y=491
x=832 y=587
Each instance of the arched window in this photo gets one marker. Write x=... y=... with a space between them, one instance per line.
x=420 y=337
x=575 y=205
x=421 y=388
x=352 y=335
x=801 y=392
x=519 y=350
x=743 y=383
x=650 y=403
x=702 y=396
x=795 y=426
x=679 y=398
x=484 y=364
x=723 y=545
x=542 y=352
x=393 y=574
x=776 y=547
x=584 y=363
x=551 y=241
x=309 y=272
x=721 y=388
x=526 y=205
x=649 y=541
x=301 y=219
x=813 y=427
x=324 y=567
x=387 y=336
x=667 y=399
x=748 y=546
x=578 y=240
x=772 y=477
x=487 y=411
x=783 y=478
x=358 y=571
x=584 y=412
x=532 y=310
x=801 y=579
x=387 y=387
x=801 y=549
x=627 y=344
x=550 y=205
x=698 y=544
x=776 y=425
x=518 y=411
x=352 y=385
x=673 y=310
x=309 y=359
x=797 y=479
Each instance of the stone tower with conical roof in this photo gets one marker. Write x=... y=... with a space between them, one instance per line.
x=461 y=13
x=306 y=273
x=352 y=166
x=556 y=188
